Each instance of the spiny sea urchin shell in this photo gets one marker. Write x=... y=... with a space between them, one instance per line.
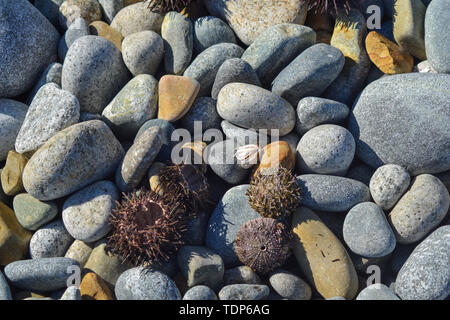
x=274 y=195
x=162 y=6
x=146 y=227
x=326 y=5
x=263 y=244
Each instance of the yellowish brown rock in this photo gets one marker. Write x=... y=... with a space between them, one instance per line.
x=322 y=257
x=176 y=96
x=11 y=176
x=13 y=238
x=102 y=29
x=276 y=154
x=154 y=177
x=387 y=55
x=93 y=287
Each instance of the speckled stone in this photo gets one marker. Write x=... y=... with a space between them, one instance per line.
x=51 y=111
x=234 y=70
x=420 y=210
x=51 y=74
x=230 y=214
x=205 y=66
x=135 y=104
x=79 y=28
x=72 y=159
x=250 y=106
x=28 y=45
x=200 y=293
x=50 y=240
x=276 y=47
x=331 y=193
x=167 y=130
x=426 y=273
x=143 y=52
x=70 y=10
x=135 y=18
x=85 y=213
x=12 y=114
x=388 y=184
x=289 y=286
x=314 y=111
x=420 y=102
x=320 y=65
x=203 y=111
x=240 y=275
x=142 y=284
x=244 y=292
x=50 y=9
x=102 y=29
x=110 y=8
x=94 y=72
x=12 y=173
x=326 y=149
x=32 y=213
x=209 y=31
x=71 y=293
x=5 y=292
x=251 y=18
x=79 y=251
x=377 y=291
x=42 y=275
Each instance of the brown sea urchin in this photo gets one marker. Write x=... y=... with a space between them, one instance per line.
x=263 y=244
x=274 y=195
x=326 y=5
x=162 y=6
x=146 y=227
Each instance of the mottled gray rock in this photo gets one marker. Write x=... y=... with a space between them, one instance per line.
x=136 y=103
x=426 y=273
x=94 y=72
x=377 y=291
x=276 y=47
x=51 y=74
x=79 y=251
x=420 y=210
x=28 y=44
x=79 y=28
x=244 y=292
x=72 y=159
x=143 y=52
x=85 y=213
x=314 y=111
x=289 y=286
x=143 y=284
x=326 y=149
x=241 y=275
x=50 y=9
x=309 y=74
x=51 y=111
x=5 y=292
x=230 y=214
x=249 y=106
x=32 y=213
x=331 y=193
x=209 y=31
x=234 y=70
x=12 y=114
x=388 y=184
x=71 y=293
x=44 y=275
x=167 y=130
x=110 y=8
x=204 y=111
x=51 y=240
x=200 y=293
x=205 y=66
x=244 y=136
x=419 y=101
x=367 y=231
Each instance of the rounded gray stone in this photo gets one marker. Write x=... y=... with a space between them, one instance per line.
x=426 y=273
x=204 y=112
x=71 y=293
x=205 y=66
x=12 y=114
x=144 y=284
x=241 y=275
x=230 y=214
x=314 y=111
x=418 y=137
x=388 y=184
x=32 y=213
x=42 y=275
x=143 y=52
x=85 y=213
x=94 y=72
x=244 y=292
x=420 y=210
x=289 y=286
x=209 y=31
x=28 y=44
x=51 y=74
x=367 y=231
x=234 y=70
x=51 y=240
x=200 y=293
x=51 y=111
x=377 y=291
x=326 y=149
x=437 y=40
x=167 y=130
x=5 y=292
x=110 y=8
x=72 y=159
x=79 y=28
x=309 y=74
x=331 y=193
x=249 y=106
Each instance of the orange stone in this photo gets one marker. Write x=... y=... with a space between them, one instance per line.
x=176 y=96
x=276 y=154
x=102 y=29
x=93 y=287
x=387 y=55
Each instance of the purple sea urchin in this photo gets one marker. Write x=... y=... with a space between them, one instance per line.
x=147 y=227
x=162 y=6
x=274 y=195
x=263 y=244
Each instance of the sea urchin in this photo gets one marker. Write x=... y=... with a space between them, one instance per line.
x=263 y=244
x=325 y=5
x=162 y=6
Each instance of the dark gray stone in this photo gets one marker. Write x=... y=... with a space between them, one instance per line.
x=167 y=130
x=244 y=292
x=209 y=31
x=204 y=111
x=50 y=9
x=241 y=275
x=289 y=286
